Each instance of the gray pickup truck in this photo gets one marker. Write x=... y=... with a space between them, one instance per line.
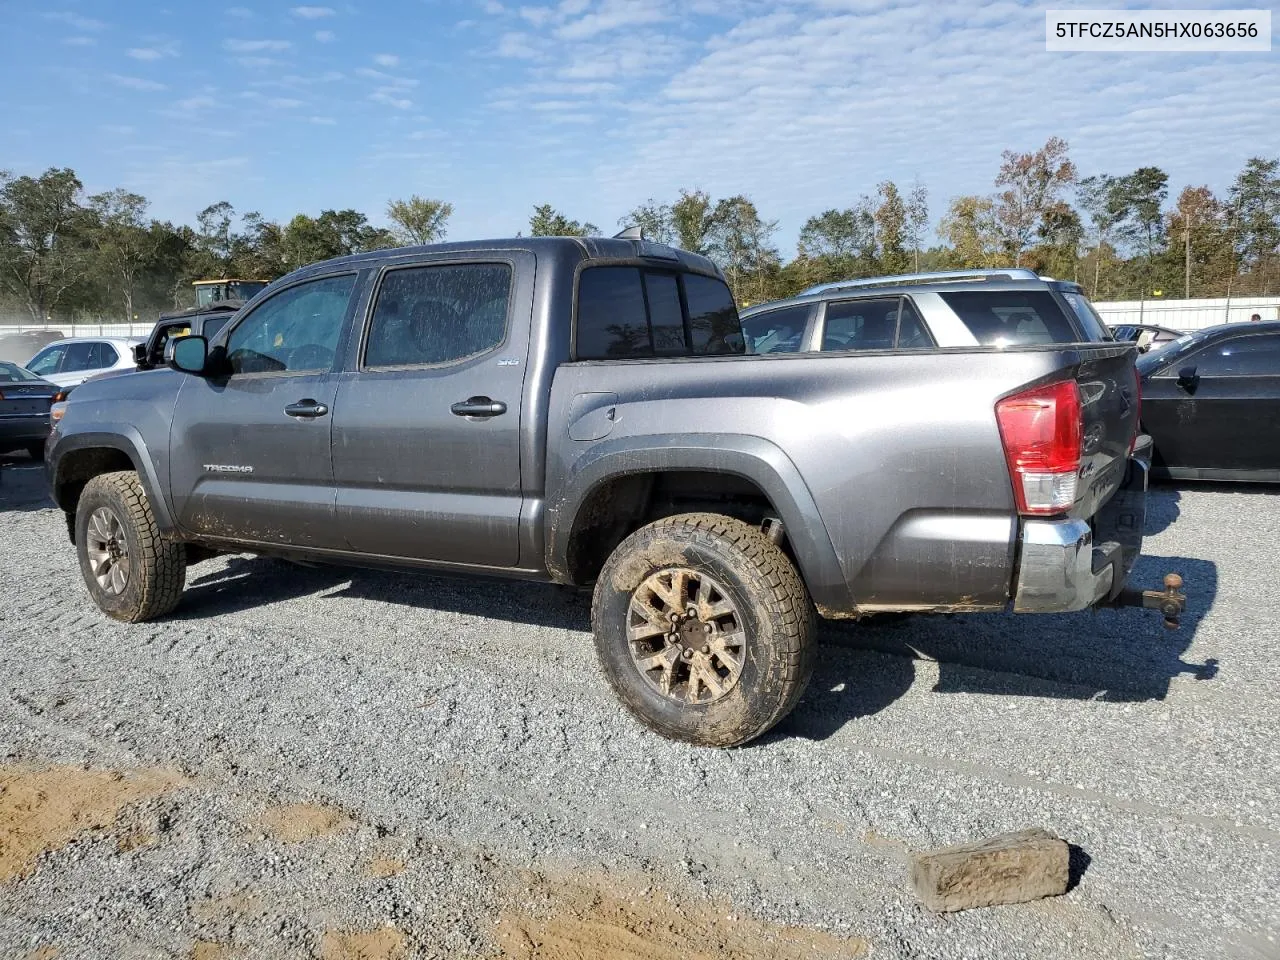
x=587 y=411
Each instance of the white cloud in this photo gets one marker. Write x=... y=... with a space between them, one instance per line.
x=323 y=121
x=196 y=103
x=284 y=103
x=135 y=83
x=80 y=41
x=391 y=96
x=517 y=46
x=154 y=52
x=612 y=15
x=388 y=60
x=87 y=24
x=493 y=8
x=313 y=13
x=259 y=62
x=386 y=78
x=325 y=36
x=255 y=46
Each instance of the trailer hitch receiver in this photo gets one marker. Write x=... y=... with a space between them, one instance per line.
x=1171 y=601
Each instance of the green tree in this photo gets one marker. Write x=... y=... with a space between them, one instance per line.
x=654 y=219
x=891 y=228
x=1254 y=207
x=125 y=245
x=917 y=220
x=1144 y=192
x=1102 y=198
x=43 y=252
x=693 y=221
x=550 y=222
x=970 y=229
x=739 y=242
x=1033 y=184
x=420 y=220
x=1198 y=236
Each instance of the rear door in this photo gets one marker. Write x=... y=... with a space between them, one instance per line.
x=250 y=456
x=426 y=430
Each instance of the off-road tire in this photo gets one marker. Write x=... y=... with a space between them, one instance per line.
x=157 y=568
x=777 y=619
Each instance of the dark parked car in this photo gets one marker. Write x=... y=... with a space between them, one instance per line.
x=1146 y=335
x=24 y=410
x=1211 y=403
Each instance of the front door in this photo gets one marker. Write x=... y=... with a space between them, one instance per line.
x=250 y=456
x=426 y=429
x=1226 y=414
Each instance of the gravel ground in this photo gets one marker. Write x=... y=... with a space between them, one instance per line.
x=334 y=763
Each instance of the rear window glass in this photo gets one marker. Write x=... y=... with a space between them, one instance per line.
x=1090 y=322
x=628 y=312
x=1002 y=318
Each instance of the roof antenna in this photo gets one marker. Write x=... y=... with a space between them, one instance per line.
x=631 y=233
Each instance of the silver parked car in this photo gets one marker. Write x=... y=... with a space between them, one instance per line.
x=70 y=362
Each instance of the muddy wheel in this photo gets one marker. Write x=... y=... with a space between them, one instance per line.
x=704 y=629
x=132 y=573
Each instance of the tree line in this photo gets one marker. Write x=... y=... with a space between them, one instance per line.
x=65 y=255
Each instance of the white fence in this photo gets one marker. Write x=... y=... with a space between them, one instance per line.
x=84 y=329
x=1188 y=315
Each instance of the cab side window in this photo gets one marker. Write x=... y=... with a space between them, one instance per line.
x=438 y=314
x=296 y=330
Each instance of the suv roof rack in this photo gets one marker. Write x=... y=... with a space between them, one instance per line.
x=936 y=276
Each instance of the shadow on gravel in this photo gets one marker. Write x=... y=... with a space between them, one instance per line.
x=249 y=582
x=1164 y=498
x=1114 y=655
x=22 y=484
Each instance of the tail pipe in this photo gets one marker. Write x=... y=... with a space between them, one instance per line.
x=1171 y=601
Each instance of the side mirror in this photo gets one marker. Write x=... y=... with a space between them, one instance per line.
x=140 y=353
x=1188 y=378
x=188 y=354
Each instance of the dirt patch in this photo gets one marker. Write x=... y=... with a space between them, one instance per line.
x=605 y=919
x=385 y=944
x=43 y=953
x=210 y=950
x=303 y=821
x=44 y=809
x=383 y=867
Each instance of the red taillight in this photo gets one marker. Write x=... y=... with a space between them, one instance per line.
x=1041 y=430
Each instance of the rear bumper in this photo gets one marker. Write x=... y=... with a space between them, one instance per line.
x=1072 y=564
x=24 y=428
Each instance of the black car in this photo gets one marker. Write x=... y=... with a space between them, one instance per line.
x=1211 y=402
x=21 y=347
x=24 y=409
x=1147 y=336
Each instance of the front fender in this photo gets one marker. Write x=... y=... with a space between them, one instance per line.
x=751 y=458
x=124 y=438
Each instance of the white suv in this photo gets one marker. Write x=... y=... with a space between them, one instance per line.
x=69 y=363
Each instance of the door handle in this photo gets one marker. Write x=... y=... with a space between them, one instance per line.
x=479 y=407
x=306 y=409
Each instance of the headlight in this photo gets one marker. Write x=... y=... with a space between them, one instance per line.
x=57 y=410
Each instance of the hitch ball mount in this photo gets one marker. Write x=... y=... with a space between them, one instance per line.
x=1171 y=601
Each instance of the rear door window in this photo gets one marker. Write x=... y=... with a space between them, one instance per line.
x=612 y=320
x=80 y=357
x=1004 y=318
x=102 y=356
x=776 y=331
x=714 y=327
x=1090 y=322
x=666 y=319
x=870 y=324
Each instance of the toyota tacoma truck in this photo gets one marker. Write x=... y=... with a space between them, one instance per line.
x=588 y=412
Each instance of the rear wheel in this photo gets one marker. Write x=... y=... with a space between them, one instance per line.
x=704 y=629
x=132 y=573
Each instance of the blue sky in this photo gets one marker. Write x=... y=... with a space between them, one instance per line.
x=593 y=105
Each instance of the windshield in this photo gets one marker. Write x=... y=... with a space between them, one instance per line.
x=12 y=373
x=1166 y=353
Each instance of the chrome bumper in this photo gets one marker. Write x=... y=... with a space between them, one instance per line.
x=1063 y=566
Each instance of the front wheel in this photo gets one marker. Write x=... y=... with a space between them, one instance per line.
x=133 y=574
x=704 y=629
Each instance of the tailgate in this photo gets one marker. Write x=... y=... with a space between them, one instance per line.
x=1108 y=382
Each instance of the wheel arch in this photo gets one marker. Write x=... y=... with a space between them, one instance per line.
x=630 y=466
x=78 y=458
